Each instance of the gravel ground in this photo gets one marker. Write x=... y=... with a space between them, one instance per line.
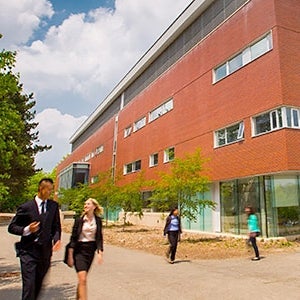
x=192 y=245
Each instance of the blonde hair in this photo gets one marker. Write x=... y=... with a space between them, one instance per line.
x=98 y=211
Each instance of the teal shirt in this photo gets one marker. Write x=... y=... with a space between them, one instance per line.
x=253 y=223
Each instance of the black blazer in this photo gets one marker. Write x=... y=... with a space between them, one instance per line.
x=77 y=228
x=49 y=233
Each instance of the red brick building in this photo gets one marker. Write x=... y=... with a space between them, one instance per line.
x=225 y=77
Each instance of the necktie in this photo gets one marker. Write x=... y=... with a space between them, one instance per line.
x=43 y=208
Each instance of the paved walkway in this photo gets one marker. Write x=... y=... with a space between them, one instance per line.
x=135 y=275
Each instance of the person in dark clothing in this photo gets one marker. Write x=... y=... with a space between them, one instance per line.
x=38 y=223
x=173 y=230
x=86 y=239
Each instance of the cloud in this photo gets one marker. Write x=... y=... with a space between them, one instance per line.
x=55 y=129
x=88 y=54
x=19 y=19
x=78 y=62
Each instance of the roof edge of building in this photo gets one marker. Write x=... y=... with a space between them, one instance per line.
x=190 y=13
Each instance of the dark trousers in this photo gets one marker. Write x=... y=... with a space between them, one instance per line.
x=254 y=245
x=33 y=270
x=173 y=241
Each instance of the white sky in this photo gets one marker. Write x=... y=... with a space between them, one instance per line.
x=75 y=64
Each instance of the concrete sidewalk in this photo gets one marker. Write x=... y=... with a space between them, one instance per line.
x=132 y=275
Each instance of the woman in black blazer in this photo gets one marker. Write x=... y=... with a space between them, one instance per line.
x=86 y=239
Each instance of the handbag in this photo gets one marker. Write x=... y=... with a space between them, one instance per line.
x=67 y=253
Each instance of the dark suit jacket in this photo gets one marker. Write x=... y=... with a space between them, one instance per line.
x=77 y=230
x=49 y=233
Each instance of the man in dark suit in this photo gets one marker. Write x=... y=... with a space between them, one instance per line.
x=38 y=223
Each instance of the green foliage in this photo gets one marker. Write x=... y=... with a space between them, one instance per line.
x=33 y=181
x=129 y=197
x=105 y=191
x=18 y=138
x=183 y=186
x=74 y=198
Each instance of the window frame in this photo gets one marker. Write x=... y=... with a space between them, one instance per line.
x=224 y=69
x=142 y=123
x=99 y=149
x=279 y=118
x=167 y=154
x=127 y=131
x=132 y=167
x=152 y=160
x=161 y=110
x=239 y=134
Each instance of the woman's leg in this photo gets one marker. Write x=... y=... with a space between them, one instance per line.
x=254 y=245
x=173 y=240
x=82 y=285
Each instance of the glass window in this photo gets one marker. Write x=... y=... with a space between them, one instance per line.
x=286 y=204
x=137 y=165
x=128 y=168
x=235 y=63
x=276 y=119
x=153 y=160
x=228 y=208
x=139 y=124
x=220 y=72
x=241 y=131
x=295 y=114
x=132 y=167
x=260 y=47
x=232 y=133
x=127 y=131
x=229 y=134
x=99 y=149
x=244 y=57
x=292 y=117
x=169 y=154
x=221 y=139
x=161 y=110
x=235 y=196
x=262 y=123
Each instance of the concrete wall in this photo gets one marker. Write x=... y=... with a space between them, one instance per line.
x=148 y=219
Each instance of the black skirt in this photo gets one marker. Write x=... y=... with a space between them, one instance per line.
x=84 y=255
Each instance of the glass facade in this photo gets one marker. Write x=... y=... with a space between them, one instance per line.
x=276 y=200
x=74 y=174
x=203 y=221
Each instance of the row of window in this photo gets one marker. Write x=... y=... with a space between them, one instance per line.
x=153 y=115
x=169 y=155
x=244 y=57
x=92 y=154
x=283 y=117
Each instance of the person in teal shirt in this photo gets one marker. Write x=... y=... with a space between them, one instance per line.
x=254 y=230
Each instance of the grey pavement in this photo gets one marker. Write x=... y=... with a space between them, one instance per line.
x=131 y=275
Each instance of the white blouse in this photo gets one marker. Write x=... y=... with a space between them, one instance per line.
x=88 y=232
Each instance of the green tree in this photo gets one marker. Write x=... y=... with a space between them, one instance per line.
x=105 y=191
x=129 y=197
x=183 y=186
x=74 y=198
x=18 y=135
x=33 y=181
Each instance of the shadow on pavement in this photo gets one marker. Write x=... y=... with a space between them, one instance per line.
x=56 y=292
x=182 y=261
x=66 y=292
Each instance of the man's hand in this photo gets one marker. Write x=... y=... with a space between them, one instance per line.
x=34 y=227
x=57 y=246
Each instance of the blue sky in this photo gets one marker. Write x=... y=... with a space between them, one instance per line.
x=71 y=54
x=64 y=8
